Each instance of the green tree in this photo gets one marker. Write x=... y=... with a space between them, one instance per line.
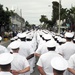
x=47 y=23
x=55 y=14
x=7 y=19
x=69 y=16
x=4 y=18
x=43 y=19
x=72 y=18
x=1 y=15
x=63 y=13
x=27 y=25
x=50 y=23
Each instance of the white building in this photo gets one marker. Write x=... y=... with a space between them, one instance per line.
x=17 y=22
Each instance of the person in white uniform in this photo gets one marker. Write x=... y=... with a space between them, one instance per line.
x=19 y=65
x=31 y=41
x=59 y=65
x=26 y=50
x=67 y=49
x=0 y=38
x=71 y=64
x=43 y=63
x=3 y=49
x=43 y=48
x=39 y=37
x=45 y=38
x=5 y=63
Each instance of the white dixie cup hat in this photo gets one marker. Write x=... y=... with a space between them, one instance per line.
x=59 y=63
x=6 y=58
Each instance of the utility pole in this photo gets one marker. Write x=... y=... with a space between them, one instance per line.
x=59 y=15
x=21 y=17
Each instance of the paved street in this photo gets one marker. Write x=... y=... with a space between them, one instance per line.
x=5 y=43
x=35 y=72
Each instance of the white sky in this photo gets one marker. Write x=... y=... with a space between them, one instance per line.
x=33 y=9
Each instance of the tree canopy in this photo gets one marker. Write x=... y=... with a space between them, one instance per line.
x=4 y=17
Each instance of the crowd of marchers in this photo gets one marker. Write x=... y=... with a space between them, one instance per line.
x=55 y=52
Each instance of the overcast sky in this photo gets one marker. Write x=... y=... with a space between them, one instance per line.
x=33 y=9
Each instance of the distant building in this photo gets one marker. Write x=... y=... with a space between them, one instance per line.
x=17 y=22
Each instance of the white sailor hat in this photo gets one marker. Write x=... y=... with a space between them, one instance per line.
x=56 y=36
x=19 y=34
x=29 y=37
x=12 y=39
x=74 y=39
x=51 y=43
x=0 y=38
x=14 y=44
x=15 y=37
x=62 y=40
x=59 y=63
x=22 y=35
x=6 y=58
x=47 y=36
x=69 y=34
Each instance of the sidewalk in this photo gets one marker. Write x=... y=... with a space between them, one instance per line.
x=5 y=43
x=2 y=42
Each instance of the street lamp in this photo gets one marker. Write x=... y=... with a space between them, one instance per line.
x=21 y=18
